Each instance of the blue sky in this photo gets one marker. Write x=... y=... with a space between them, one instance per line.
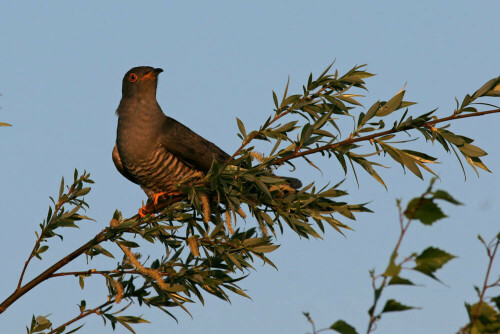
x=62 y=65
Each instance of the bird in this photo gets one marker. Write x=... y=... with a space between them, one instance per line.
x=154 y=150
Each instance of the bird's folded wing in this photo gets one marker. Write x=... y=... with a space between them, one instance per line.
x=189 y=146
x=118 y=164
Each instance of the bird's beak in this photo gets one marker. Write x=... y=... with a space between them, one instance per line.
x=153 y=74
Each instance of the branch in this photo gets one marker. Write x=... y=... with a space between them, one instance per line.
x=276 y=117
x=57 y=207
x=101 y=272
x=50 y=272
x=352 y=140
x=100 y=237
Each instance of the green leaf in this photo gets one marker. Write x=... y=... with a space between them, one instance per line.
x=343 y=327
x=265 y=249
x=370 y=113
x=472 y=151
x=81 y=281
x=430 y=260
x=348 y=98
x=175 y=287
x=98 y=249
x=396 y=280
x=42 y=324
x=42 y=249
x=441 y=194
x=286 y=127
x=83 y=192
x=126 y=243
x=82 y=306
x=275 y=98
x=392 y=105
x=496 y=300
x=74 y=330
x=485 y=88
x=393 y=269
x=394 y=306
x=241 y=126
x=424 y=210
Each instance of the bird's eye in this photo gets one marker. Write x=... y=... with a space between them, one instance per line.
x=132 y=77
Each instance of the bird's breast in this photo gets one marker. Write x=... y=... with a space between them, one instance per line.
x=160 y=172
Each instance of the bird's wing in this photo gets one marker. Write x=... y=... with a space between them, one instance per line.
x=118 y=164
x=189 y=146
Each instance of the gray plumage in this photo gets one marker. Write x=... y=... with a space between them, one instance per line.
x=152 y=149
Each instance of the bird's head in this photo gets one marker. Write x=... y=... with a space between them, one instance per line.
x=140 y=82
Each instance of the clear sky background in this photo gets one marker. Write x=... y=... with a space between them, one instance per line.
x=62 y=64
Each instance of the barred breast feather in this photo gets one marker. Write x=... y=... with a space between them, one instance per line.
x=162 y=172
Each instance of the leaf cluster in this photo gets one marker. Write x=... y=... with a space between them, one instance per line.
x=203 y=251
x=426 y=210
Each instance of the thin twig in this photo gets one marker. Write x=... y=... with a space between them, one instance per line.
x=82 y=315
x=491 y=256
x=27 y=262
x=404 y=229
x=37 y=243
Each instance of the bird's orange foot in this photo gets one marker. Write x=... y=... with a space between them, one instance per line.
x=142 y=211
x=157 y=196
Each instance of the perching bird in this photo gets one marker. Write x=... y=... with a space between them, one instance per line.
x=152 y=149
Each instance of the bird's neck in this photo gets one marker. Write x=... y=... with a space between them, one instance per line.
x=139 y=126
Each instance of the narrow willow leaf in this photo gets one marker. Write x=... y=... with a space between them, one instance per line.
x=452 y=138
x=81 y=282
x=472 y=151
x=410 y=162
x=422 y=157
x=286 y=91
x=327 y=69
x=392 y=105
x=265 y=249
x=73 y=330
x=477 y=162
x=241 y=126
x=275 y=99
x=292 y=99
x=349 y=99
x=371 y=112
x=368 y=166
x=485 y=88
x=286 y=127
